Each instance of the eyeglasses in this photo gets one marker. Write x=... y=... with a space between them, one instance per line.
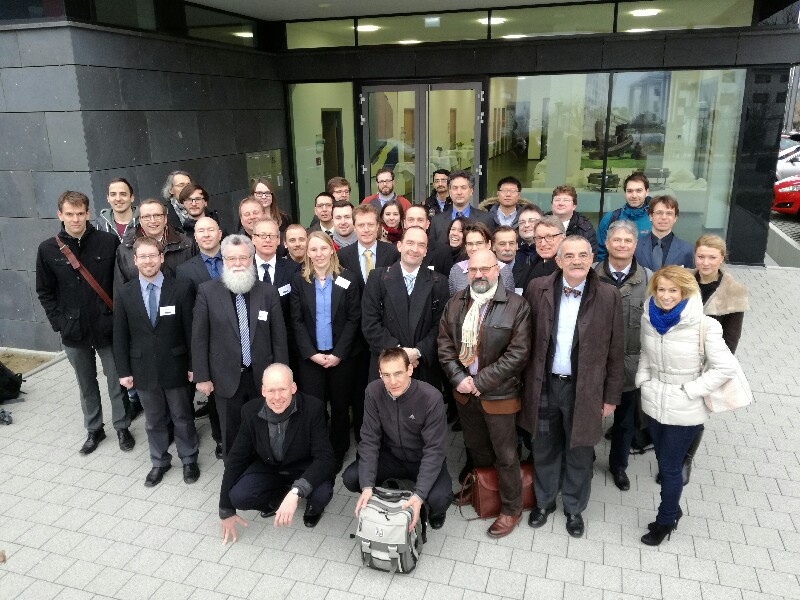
x=508 y=190
x=384 y=180
x=480 y=244
x=262 y=194
x=664 y=213
x=150 y=217
x=546 y=238
x=483 y=270
x=440 y=180
x=324 y=205
x=147 y=256
x=196 y=200
x=237 y=259
x=395 y=375
x=528 y=221
x=266 y=236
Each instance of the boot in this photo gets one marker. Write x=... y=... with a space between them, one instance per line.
x=656 y=535
x=687 y=462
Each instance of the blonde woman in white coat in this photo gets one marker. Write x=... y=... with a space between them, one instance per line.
x=673 y=381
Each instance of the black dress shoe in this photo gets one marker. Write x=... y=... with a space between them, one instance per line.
x=538 y=516
x=273 y=505
x=312 y=515
x=135 y=409
x=575 y=525
x=621 y=480
x=437 y=521
x=92 y=441
x=126 y=441
x=155 y=475
x=218 y=451
x=191 y=472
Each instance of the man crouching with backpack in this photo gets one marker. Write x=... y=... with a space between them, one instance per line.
x=404 y=436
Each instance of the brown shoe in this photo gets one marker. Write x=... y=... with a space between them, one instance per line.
x=464 y=500
x=503 y=525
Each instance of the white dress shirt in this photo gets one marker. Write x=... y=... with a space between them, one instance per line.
x=567 y=318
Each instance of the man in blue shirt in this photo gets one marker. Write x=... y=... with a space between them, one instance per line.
x=462 y=186
x=637 y=188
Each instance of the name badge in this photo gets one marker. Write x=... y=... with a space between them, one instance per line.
x=430 y=267
x=284 y=290
x=342 y=282
x=262 y=315
x=166 y=310
x=518 y=291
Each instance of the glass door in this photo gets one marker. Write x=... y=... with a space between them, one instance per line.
x=417 y=129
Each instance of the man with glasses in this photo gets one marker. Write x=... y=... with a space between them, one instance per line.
x=176 y=246
x=529 y=216
x=563 y=204
x=509 y=203
x=484 y=343
x=385 y=180
x=439 y=200
x=548 y=234
x=404 y=436
x=194 y=200
x=323 y=214
x=151 y=350
x=238 y=330
x=339 y=188
x=662 y=247
x=572 y=380
x=461 y=186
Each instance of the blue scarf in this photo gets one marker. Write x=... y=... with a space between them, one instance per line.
x=663 y=320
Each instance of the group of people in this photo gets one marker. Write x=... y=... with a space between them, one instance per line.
x=519 y=328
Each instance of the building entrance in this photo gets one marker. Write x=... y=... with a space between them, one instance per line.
x=416 y=129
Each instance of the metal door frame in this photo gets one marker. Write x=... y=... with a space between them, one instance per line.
x=421 y=131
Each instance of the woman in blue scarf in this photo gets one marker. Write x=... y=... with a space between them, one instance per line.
x=673 y=380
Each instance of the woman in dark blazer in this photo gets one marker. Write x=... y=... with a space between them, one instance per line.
x=326 y=317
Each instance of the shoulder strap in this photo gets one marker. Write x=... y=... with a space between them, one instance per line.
x=615 y=215
x=78 y=266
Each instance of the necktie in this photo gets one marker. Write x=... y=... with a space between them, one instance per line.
x=152 y=305
x=329 y=232
x=619 y=275
x=458 y=214
x=658 y=256
x=568 y=290
x=244 y=329
x=368 y=264
x=266 y=278
x=409 y=283
x=213 y=271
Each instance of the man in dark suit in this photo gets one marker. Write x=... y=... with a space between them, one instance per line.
x=439 y=257
x=461 y=185
x=238 y=331
x=323 y=214
x=401 y=307
x=207 y=265
x=273 y=270
x=152 y=336
x=661 y=247
x=282 y=447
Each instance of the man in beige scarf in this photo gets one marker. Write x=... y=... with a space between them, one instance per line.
x=484 y=342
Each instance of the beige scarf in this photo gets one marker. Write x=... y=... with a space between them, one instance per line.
x=471 y=324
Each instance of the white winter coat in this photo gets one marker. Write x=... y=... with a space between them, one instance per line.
x=668 y=361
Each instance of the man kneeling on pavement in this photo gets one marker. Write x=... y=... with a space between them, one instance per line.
x=281 y=454
x=403 y=436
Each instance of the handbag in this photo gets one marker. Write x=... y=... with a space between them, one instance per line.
x=486 y=490
x=734 y=393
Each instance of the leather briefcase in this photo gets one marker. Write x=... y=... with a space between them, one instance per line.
x=482 y=485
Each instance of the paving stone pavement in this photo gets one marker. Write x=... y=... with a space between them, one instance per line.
x=76 y=527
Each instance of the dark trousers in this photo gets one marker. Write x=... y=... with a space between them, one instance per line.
x=335 y=386
x=622 y=431
x=360 y=380
x=671 y=443
x=492 y=442
x=390 y=467
x=159 y=406
x=552 y=453
x=260 y=483
x=213 y=418
x=230 y=409
x=84 y=363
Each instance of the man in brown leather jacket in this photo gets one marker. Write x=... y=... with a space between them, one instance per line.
x=484 y=343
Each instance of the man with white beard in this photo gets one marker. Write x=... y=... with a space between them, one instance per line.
x=238 y=331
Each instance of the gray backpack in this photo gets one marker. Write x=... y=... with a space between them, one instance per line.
x=386 y=543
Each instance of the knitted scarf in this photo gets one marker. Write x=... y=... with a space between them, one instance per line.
x=471 y=324
x=662 y=320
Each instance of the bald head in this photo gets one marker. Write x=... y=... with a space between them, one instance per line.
x=208 y=236
x=483 y=270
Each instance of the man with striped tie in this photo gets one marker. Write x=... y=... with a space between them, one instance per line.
x=238 y=331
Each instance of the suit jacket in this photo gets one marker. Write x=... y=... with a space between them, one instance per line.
x=345 y=315
x=440 y=224
x=155 y=356
x=194 y=271
x=439 y=257
x=391 y=318
x=216 y=346
x=680 y=253
x=386 y=254
x=306 y=446
x=282 y=281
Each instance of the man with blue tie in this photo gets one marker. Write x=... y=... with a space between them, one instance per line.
x=152 y=336
x=207 y=265
x=238 y=331
x=461 y=185
x=661 y=247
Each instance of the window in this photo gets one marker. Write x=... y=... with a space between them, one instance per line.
x=657 y=15
x=515 y=24
x=320 y=34
x=414 y=29
x=219 y=27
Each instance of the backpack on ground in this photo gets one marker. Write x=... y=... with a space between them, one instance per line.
x=382 y=531
x=10 y=383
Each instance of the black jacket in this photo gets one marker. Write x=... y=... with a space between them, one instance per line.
x=306 y=446
x=73 y=308
x=385 y=255
x=580 y=225
x=155 y=356
x=178 y=248
x=440 y=224
x=388 y=423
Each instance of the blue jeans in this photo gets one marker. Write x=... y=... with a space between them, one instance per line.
x=671 y=443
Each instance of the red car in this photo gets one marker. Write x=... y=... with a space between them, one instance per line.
x=786 y=196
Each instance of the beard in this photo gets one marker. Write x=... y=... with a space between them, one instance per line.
x=241 y=282
x=481 y=285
